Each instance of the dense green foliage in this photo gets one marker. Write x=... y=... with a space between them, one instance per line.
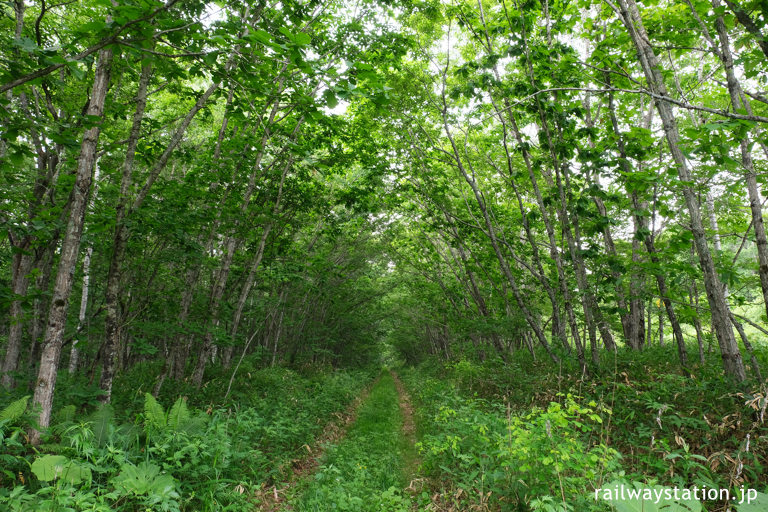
x=489 y=436
x=172 y=457
x=219 y=216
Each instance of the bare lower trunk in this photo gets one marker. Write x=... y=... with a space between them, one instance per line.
x=636 y=322
x=22 y=264
x=661 y=328
x=179 y=353
x=42 y=303
x=275 y=343
x=75 y=353
x=249 y=281
x=748 y=346
x=694 y=301
x=57 y=316
x=649 y=330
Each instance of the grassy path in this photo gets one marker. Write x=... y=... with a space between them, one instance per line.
x=367 y=470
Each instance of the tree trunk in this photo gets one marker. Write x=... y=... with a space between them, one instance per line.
x=231 y=244
x=641 y=227
x=750 y=350
x=590 y=307
x=558 y=326
x=246 y=290
x=693 y=295
x=20 y=267
x=661 y=328
x=74 y=353
x=57 y=316
x=120 y=242
x=491 y=233
x=23 y=261
x=554 y=253
x=636 y=322
x=747 y=22
x=41 y=303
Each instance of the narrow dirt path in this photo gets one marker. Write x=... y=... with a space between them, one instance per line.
x=365 y=471
x=410 y=454
x=272 y=498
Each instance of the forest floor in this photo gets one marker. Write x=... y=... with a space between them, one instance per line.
x=366 y=464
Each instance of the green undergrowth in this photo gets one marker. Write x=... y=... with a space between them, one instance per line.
x=533 y=436
x=364 y=472
x=168 y=455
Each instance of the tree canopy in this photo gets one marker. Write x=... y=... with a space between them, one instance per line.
x=188 y=183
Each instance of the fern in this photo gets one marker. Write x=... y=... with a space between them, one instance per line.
x=126 y=436
x=66 y=414
x=14 y=410
x=179 y=415
x=154 y=414
x=195 y=425
x=63 y=419
x=101 y=421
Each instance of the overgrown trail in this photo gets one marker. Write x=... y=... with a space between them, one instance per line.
x=368 y=469
x=273 y=498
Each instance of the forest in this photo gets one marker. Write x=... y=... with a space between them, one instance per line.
x=348 y=255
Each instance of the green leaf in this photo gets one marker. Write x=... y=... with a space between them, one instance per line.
x=302 y=39
x=758 y=502
x=145 y=479
x=330 y=98
x=26 y=44
x=92 y=27
x=66 y=414
x=100 y=423
x=51 y=467
x=153 y=412
x=48 y=467
x=178 y=415
x=14 y=410
x=74 y=68
x=261 y=36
